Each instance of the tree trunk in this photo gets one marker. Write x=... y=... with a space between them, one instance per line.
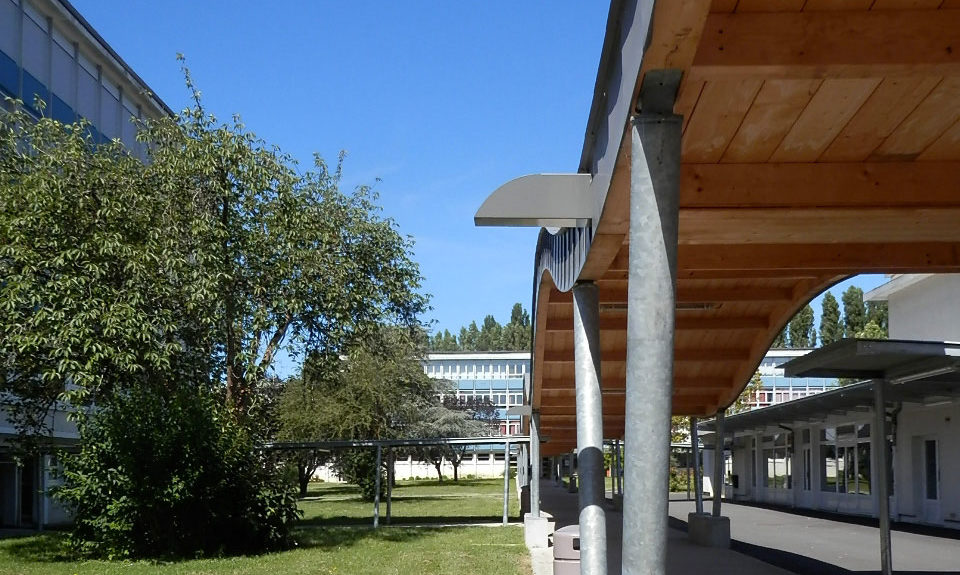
x=456 y=466
x=438 y=465
x=304 y=479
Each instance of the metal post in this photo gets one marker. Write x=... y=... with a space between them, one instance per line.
x=718 y=465
x=617 y=466
x=695 y=449
x=879 y=447
x=506 y=481
x=586 y=346
x=651 y=297
x=537 y=463
x=689 y=453
x=389 y=483
x=376 y=495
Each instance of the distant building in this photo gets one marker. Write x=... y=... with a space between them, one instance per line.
x=48 y=50
x=921 y=306
x=778 y=388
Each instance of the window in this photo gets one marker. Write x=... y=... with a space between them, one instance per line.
x=828 y=467
x=806 y=468
x=930 y=468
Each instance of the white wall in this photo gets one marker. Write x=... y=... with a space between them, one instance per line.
x=927 y=310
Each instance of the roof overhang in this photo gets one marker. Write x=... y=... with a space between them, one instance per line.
x=539 y=200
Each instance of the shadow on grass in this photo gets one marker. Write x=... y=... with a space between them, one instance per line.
x=341 y=520
x=49 y=547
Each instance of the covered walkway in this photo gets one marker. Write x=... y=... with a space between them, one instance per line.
x=682 y=556
x=831 y=544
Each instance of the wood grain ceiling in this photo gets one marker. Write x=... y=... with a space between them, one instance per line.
x=821 y=139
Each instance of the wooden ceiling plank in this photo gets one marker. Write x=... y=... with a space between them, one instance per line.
x=687 y=99
x=770 y=5
x=723 y=5
x=716 y=118
x=946 y=147
x=937 y=113
x=906 y=4
x=818 y=44
x=836 y=5
x=721 y=323
x=774 y=111
x=715 y=295
x=893 y=100
x=828 y=112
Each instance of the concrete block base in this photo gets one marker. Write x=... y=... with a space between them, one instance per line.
x=536 y=531
x=709 y=531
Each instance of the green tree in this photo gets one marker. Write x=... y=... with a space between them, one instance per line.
x=748 y=395
x=301 y=416
x=831 y=326
x=780 y=341
x=802 y=333
x=872 y=331
x=854 y=312
x=490 y=335
x=516 y=334
x=470 y=337
x=879 y=314
x=446 y=419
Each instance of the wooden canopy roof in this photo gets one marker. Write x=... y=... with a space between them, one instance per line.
x=820 y=140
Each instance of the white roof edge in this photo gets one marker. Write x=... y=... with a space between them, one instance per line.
x=478 y=355
x=897 y=283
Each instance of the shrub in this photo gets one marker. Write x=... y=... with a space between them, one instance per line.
x=170 y=473
x=357 y=466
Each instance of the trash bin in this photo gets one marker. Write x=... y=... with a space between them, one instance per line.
x=566 y=550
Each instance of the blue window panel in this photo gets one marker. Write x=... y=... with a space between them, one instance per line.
x=466 y=385
x=9 y=76
x=61 y=112
x=31 y=89
x=500 y=385
x=515 y=385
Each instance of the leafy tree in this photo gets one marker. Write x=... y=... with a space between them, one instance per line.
x=747 y=396
x=470 y=337
x=490 y=335
x=444 y=341
x=854 y=312
x=300 y=414
x=831 y=326
x=872 y=331
x=439 y=420
x=516 y=334
x=802 y=333
x=780 y=341
x=879 y=314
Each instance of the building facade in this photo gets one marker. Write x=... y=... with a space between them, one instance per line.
x=778 y=388
x=49 y=52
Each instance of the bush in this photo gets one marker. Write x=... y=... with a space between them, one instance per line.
x=357 y=466
x=170 y=473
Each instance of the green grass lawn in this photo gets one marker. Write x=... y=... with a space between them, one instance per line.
x=326 y=549
x=419 y=501
x=321 y=550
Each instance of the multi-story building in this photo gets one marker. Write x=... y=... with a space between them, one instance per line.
x=493 y=376
x=778 y=388
x=48 y=51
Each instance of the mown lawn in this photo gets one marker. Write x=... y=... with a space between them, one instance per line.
x=325 y=548
x=321 y=550
x=419 y=501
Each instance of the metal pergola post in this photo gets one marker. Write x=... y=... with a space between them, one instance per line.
x=390 y=463
x=718 y=465
x=651 y=309
x=590 y=476
x=618 y=468
x=695 y=453
x=506 y=481
x=376 y=495
x=881 y=485
x=537 y=463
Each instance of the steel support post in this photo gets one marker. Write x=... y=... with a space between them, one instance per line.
x=506 y=481
x=617 y=468
x=376 y=495
x=695 y=453
x=586 y=353
x=536 y=463
x=718 y=465
x=390 y=472
x=651 y=297
x=881 y=482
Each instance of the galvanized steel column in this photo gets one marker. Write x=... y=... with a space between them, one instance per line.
x=390 y=463
x=881 y=483
x=618 y=467
x=651 y=296
x=376 y=495
x=586 y=346
x=695 y=453
x=536 y=463
x=506 y=481
x=718 y=465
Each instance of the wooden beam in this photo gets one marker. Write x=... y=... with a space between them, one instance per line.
x=718 y=226
x=682 y=322
x=819 y=185
x=859 y=44
x=686 y=354
x=824 y=259
x=744 y=294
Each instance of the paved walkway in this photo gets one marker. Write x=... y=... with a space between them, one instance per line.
x=683 y=557
x=819 y=544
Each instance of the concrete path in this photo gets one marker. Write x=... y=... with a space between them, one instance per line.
x=820 y=544
x=683 y=557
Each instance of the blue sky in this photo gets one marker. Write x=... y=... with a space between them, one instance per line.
x=443 y=101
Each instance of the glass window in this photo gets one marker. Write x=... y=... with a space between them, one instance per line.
x=863 y=431
x=806 y=469
x=805 y=436
x=863 y=468
x=828 y=468
x=930 y=468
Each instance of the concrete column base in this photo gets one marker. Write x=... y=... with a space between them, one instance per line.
x=572 y=484
x=536 y=531
x=709 y=531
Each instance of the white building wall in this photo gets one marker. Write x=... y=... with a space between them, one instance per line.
x=922 y=307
